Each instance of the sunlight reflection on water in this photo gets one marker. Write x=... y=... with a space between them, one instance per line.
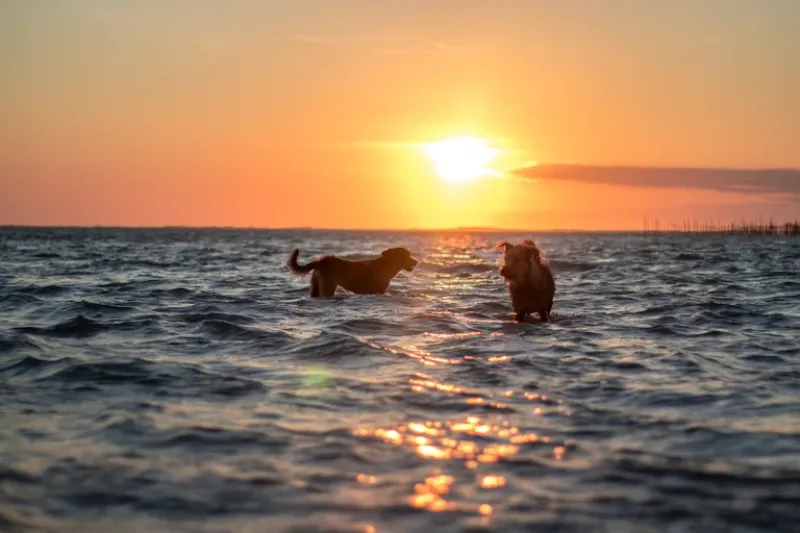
x=471 y=441
x=187 y=378
x=466 y=443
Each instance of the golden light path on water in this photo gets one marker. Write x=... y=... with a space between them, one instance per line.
x=456 y=440
x=476 y=443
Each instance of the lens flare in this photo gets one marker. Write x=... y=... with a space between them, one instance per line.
x=462 y=159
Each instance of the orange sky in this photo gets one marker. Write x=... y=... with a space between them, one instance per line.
x=307 y=113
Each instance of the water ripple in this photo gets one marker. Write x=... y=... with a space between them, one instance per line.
x=182 y=380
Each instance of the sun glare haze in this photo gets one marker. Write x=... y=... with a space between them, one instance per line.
x=462 y=159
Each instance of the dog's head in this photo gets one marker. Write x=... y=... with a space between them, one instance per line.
x=519 y=260
x=400 y=258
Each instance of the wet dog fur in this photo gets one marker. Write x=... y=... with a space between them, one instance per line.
x=368 y=276
x=529 y=278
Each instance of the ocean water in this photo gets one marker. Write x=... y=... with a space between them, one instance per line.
x=182 y=380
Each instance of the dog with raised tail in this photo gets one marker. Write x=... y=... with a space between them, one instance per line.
x=367 y=276
x=529 y=278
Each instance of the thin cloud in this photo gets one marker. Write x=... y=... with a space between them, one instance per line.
x=390 y=43
x=747 y=181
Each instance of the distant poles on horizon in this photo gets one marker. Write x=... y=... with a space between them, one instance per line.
x=696 y=227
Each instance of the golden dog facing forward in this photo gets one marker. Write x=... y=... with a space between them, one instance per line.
x=529 y=279
x=367 y=276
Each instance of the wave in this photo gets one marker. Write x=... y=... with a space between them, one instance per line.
x=270 y=251
x=328 y=344
x=219 y=316
x=220 y=329
x=491 y=308
x=571 y=266
x=44 y=290
x=45 y=255
x=684 y=256
x=457 y=269
x=217 y=329
x=81 y=327
x=164 y=380
x=216 y=438
x=178 y=291
x=86 y=306
x=15 y=300
x=783 y=275
x=103 y=372
x=442 y=322
x=148 y=264
x=15 y=342
x=374 y=326
x=32 y=366
x=704 y=471
x=722 y=313
x=226 y=330
x=218 y=297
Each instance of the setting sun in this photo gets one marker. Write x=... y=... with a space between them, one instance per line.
x=462 y=159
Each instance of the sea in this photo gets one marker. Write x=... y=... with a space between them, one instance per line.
x=182 y=380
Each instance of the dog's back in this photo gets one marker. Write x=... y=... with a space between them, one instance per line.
x=327 y=262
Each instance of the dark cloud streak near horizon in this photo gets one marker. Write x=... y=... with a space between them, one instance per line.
x=753 y=181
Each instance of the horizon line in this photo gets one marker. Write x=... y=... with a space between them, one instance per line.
x=303 y=228
x=477 y=229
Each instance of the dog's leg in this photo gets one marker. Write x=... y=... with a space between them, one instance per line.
x=322 y=285
x=315 y=291
x=544 y=315
x=521 y=316
x=328 y=287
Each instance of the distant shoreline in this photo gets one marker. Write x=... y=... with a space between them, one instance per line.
x=649 y=228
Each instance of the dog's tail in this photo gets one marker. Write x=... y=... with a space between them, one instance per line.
x=296 y=267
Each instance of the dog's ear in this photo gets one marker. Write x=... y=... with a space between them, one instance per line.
x=532 y=252
x=504 y=245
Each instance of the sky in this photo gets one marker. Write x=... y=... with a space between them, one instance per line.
x=298 y=113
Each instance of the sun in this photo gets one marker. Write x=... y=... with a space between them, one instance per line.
x=462 y=159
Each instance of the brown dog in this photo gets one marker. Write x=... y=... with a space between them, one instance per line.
x=529 y=279
x=368 y=276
